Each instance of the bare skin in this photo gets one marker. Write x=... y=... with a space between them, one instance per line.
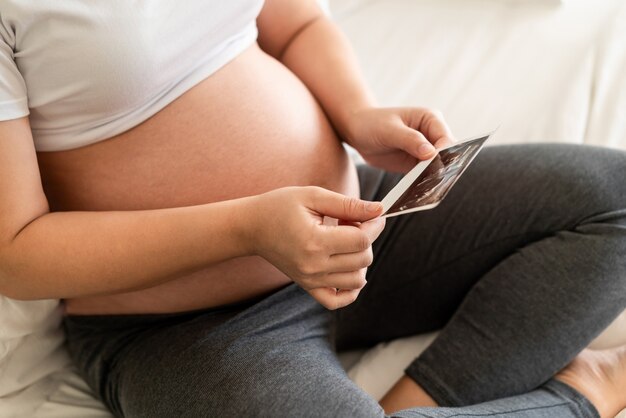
x=177 y=214
x=406 y=394
x=200 y=156
x=125 y=216
x=600 y=376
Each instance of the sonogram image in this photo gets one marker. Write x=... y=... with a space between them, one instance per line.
x=434 y=183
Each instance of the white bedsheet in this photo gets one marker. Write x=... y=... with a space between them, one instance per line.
x=543 y=70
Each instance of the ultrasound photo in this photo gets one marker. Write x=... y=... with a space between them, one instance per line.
x=434 y=183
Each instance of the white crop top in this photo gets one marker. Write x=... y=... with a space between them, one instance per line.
x=88 y=70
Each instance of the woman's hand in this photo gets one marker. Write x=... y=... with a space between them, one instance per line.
x=395 y=139
x=329 y=262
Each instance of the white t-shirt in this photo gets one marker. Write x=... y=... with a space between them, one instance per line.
x=89 y=70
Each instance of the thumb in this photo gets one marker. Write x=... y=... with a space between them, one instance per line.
x=345 y=208
x=414 y=143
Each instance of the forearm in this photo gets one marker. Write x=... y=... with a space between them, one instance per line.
x=321 y=56
x=72 y=254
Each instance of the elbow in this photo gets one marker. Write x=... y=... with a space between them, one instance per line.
x=12 y=293
x=9 y=287
x=22 y=297
x=11 y=281
x=280 y=53
x=17 y=267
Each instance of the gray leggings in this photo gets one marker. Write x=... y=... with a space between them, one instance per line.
x=522 y=266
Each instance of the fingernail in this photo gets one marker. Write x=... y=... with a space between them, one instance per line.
x=425 y=149
x=373 y=206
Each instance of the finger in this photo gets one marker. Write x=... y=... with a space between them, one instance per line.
x=347 y=280
x=353 y=238
x=431 y=123
x=444 y=143
x=341 y=263
x=347 y=239
x=346 y=297
x=435 y=128
x=332 y=298
x=414 y=143
x=373 y=228
x=342 y=207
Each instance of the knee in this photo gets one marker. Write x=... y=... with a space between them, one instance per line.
x=592 y=179
x=599 y=174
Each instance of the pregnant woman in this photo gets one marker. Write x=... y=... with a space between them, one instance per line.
x=165 y=168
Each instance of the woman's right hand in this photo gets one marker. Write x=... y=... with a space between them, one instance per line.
x=328 y=261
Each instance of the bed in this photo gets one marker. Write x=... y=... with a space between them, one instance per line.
x=541 y=70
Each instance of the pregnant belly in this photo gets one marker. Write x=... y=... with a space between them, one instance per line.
x=249 y=128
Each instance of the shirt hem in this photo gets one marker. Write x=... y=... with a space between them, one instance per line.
x=58 y=141
x=14 y=109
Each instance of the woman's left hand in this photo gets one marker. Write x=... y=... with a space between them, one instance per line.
x=395 y=139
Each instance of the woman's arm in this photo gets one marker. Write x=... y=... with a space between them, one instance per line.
x=69 y=254
x=302 y=37
x=297 y=33
x=74 y=254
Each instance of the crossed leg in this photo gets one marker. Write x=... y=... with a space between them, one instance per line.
x=522 y=263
